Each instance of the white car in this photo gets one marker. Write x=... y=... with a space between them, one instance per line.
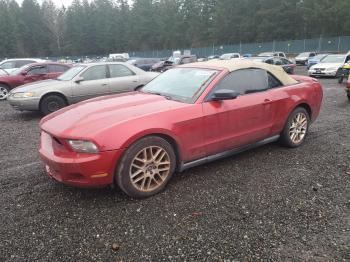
x=329 y=65
x=278 y=54
x=302 y=58
x=229 y=56
x=10 y=65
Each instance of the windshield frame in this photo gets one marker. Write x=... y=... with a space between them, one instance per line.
x=83 y=67
x=197 y=94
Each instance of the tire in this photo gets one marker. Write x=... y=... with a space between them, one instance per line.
x=340 y=80
x=348 y=94
x=51 y=103
x=139 y=176
x=300 y=131
x=4 y=91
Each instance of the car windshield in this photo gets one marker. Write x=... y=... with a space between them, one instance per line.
x=318 y=57
x=228 y=56
x=334 y=59
x=181 y=84
x=71 y=73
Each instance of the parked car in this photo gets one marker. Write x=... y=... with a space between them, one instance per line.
x=30 y=73
x=171 y=62
x=279 y=54
x=330 y=65
x=211 y=57
x=286 y=64
x=144 y=63
x=229 y=56
x=79 y=83
x=315 y=60
x=10 y=65
x=189 y=115
x=302 y=58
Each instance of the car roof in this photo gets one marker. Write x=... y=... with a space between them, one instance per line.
x=234 y=65
x=25 y=59
x=104 y=63
x=47 y=63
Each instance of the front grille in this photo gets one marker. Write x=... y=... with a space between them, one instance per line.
x=320 y=69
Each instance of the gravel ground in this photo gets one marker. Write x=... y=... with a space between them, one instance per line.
x=270 y=203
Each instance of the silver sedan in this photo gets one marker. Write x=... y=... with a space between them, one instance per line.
x=79 y=83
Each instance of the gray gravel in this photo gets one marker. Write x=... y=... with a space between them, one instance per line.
x=270 y=203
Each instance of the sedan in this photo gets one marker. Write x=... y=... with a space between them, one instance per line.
x=189 y=115
x=287 y=65
x=30 y=73
x=79 y=83
x=330 y=65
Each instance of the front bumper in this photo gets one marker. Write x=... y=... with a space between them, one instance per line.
x=78 y=169
x=322 y=73
x=29 y=104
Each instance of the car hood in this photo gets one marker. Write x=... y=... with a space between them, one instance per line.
x=301 y=57
x=91 y=117
x=39 y=85
x=327 y=65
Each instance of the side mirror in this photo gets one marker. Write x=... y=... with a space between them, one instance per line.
x=24 y=73
x=79 y=79
x=224 y=94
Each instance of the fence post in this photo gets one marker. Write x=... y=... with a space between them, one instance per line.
x=273 y=46
x=304 y=45
x=339 y=44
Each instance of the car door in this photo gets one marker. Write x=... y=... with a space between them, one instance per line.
x=241 y=121
x=122 y=78
x=92 y=82
x=35 y=73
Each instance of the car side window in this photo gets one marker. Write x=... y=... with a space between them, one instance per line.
x=119 y=71
x=57 y=68
x=273 y=82
x=37 y=70
x=95 y=73
x=285 y=61
x=245 y=81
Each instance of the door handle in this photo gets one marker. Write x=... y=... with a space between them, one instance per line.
x=104 y=84
x=267 y=101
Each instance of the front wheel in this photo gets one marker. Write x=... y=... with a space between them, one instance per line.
x=146 y=167
x=52 y=103
x=296 y=128
x=4 y=92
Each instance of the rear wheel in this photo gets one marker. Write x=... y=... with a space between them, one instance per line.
x=296 y=128
x=4 y=92
x=52 y=103
x=146 y=167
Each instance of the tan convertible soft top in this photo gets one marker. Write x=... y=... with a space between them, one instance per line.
x=237 y=64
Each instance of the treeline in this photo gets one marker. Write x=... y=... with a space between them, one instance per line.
x=105 y=26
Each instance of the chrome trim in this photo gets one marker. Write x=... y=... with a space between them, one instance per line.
x=228 y=153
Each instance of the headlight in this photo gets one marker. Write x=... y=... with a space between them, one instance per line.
x=23 y=95
x=82 y=146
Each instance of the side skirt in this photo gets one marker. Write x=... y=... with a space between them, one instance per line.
x=228 y=153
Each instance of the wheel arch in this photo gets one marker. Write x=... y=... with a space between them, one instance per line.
x=53 y=93
x=306 y=106
x=6 y=84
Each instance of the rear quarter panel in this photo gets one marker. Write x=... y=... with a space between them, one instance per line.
x=307 y=92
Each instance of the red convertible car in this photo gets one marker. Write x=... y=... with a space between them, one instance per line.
x=30 y=73
x=185 y=117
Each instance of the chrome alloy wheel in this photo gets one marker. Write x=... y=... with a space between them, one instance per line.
x=3 y=93
x=298 y=128
x=149 y=168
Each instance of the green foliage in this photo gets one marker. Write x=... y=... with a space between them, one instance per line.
x=109 y=26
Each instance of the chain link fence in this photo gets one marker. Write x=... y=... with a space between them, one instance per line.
x=322 y=44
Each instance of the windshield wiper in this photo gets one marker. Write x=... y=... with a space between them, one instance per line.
x=160 y=94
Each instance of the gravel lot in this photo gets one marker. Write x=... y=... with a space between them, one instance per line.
x=270 y=203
